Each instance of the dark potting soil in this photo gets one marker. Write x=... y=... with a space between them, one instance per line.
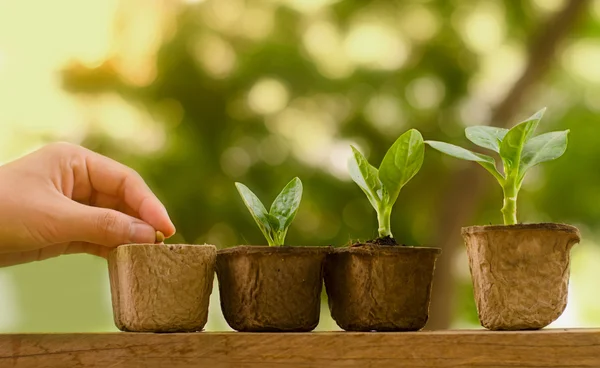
x=386 y=240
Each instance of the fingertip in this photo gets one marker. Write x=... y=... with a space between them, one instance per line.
x=170 y=231
x=155 y=214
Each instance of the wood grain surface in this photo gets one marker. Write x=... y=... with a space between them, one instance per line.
x=547 y=348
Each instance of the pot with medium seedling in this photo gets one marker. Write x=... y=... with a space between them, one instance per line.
x=520 y=271
x=161 y=287
x=379 y=285
x=274 y=287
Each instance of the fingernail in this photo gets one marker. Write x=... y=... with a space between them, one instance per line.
x=140 y=232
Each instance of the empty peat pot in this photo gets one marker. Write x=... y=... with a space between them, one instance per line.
x=271 y=288
x=520 y=273
x=161 y=288
x=380 y=288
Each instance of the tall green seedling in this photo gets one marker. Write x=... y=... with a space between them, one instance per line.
x=382 y=186
x=274 y=224
x=519 y=151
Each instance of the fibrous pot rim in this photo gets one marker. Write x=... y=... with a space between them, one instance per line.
x=368 y=248
x=265 y=249
x=166 y=245
x=545 y=226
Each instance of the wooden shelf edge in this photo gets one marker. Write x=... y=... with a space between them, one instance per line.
x=458 y=348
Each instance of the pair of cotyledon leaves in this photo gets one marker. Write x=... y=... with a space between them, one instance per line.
x=275 y=222
x=401 y=162
x=518 y=149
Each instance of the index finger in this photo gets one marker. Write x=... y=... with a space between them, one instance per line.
x=113 y=178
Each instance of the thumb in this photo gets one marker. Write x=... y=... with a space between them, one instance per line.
x=105 y=227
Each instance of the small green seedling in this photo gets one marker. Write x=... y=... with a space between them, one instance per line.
x=519 y=152
x=275 y=223
x=382 y=186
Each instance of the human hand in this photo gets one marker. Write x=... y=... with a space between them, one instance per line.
x=66 y=199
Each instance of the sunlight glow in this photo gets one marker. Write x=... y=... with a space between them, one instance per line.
x=141 y=29
x=215 y=55
x=10 y=316
x=549 y=5
x=323 y=42
x=595 y=6
x=385 y=113
x=118 y=119
x=425 y=92
x=582 y=59
x=500 y=68
x=223 y=15
x=338 y=159
x=268 y=96
x=308 y=6
x=375 y=45
x=257 y=23
x=482 y=26
x=419 y=23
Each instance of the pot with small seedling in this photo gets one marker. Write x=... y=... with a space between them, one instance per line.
x=161 y=287
x=275 y=287
x=520 y=272
x=379 y=285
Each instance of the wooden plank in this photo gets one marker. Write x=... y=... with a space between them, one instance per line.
x=547 y=348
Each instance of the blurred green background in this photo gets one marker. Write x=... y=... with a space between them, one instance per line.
x=198 y=94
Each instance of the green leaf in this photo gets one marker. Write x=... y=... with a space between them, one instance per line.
x=401 y=162
x=455 y=151
x=514 y=141
x=486 y=136
x=366 y=177
x=544 y=147
x=257 y=210
x=285 y=206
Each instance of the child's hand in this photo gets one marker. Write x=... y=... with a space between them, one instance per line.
x=66 y=199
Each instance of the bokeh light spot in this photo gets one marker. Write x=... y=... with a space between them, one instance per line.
x=235 y=161
x=268 y=96
x=385 y=113
x=375 y=45
x=425 y=92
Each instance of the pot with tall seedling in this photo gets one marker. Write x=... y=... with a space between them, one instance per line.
x=379 y=285
x=275 y=287
x=520 y=271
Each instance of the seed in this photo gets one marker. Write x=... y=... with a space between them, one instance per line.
x=160 y=237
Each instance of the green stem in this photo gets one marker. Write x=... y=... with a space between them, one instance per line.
x=383 y=218
x=509 y=210
x=278 y=238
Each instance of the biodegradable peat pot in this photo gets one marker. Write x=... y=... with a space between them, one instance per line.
x=380 y=288
x=520 y=273
x=271 y=288
x=161 y=288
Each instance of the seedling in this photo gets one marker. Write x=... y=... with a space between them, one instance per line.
x=382 y=186
x=275 y=223
x=518 y=150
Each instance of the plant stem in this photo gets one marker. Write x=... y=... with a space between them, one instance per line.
x=383 y=218
x=279 y=238
x=509 y=210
